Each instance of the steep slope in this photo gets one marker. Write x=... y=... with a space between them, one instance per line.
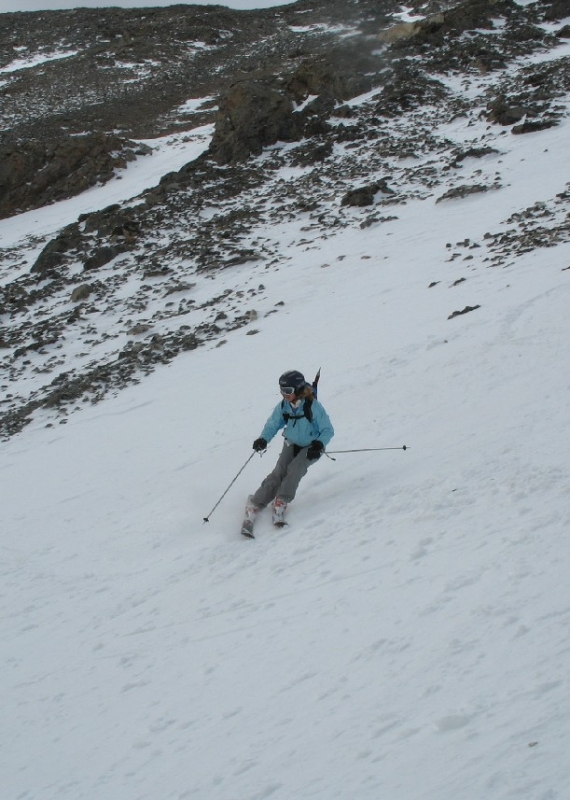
x=365 y=117
x=406 y=633
x=405 y=636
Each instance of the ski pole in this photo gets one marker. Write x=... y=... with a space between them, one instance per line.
x=207 y=519
x=364 y=450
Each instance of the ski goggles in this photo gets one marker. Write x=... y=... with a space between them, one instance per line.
x=287 y=390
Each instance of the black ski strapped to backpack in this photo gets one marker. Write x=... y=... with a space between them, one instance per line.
x=307 y=403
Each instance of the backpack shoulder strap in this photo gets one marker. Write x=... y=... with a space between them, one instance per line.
x=307 y=410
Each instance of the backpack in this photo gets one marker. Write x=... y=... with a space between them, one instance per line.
x=308 y=402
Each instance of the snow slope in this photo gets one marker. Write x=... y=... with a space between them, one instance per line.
x=407 y=635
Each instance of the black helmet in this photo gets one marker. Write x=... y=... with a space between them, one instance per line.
x=292 y=380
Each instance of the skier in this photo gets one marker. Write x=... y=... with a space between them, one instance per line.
x=307 y=431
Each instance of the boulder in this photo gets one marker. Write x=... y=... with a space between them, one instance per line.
x=501 y=112
x=102 y=256
x=81 y=293
x=252 y=114
x=54 y=253
x=365 y=195
x=407 y=30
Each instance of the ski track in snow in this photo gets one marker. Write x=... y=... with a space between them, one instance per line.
x=406 y=634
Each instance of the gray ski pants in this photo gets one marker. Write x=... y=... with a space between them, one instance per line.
x=283 y=481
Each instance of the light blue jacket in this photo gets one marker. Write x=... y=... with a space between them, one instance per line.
x=299 y=430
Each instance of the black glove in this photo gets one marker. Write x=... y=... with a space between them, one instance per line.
x=259 y=445
x=315 y=450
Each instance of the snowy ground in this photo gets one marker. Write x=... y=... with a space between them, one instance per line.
x=407 y=635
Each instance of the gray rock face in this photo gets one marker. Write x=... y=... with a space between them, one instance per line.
x=262 y=110
x=34 y=173
x=253 y=114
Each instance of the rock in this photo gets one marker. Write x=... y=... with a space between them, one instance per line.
x=179 y=287
x=252 y=115
x=53 y=255
x=34 y=173
x=555 y=10
x=365 y=195
x=466 y=310
x=463 y=191
x=503 y=113
x=359 y=197
x=81 y=293
x=139 y=329
x=311 y=153
x=532 y=126
x=260 y=111
x=102 y=256
x=409 y=87
x=337 y=75
x=407 y=30
x=473 y=152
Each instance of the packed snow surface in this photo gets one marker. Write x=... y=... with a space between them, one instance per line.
x=406 y=636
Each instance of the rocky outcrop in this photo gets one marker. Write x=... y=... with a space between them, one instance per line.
x=409 y=30
x=51 y=257
x=504 y=113
x=366 y=195
x=409 y=87
x=262 y=110
x=35 y=173
x=253 y=114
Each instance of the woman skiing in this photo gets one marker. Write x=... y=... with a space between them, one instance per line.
x=307 y=430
